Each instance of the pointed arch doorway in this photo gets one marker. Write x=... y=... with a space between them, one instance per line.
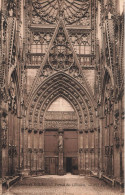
x=80 y=121
x=61 y=138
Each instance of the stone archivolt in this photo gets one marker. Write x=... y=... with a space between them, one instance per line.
x=61 y=85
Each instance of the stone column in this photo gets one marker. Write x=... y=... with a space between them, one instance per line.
x=14 y=145
x=26 y=171
x=0 y=185
x=0 y=147
x=101 y=145
x=89 y=151
x=96 y=147
x=22 y=144
x=43 y=168
x=41 y=157
x=86 y=150
x=29 y=148
x=10 y=145
x=60 y=168
x=35 y=150
x=81 y=167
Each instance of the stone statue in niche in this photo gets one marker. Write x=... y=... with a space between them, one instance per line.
x=12 y=96
x=4 y=24
x=47 y=71
x=60 y=142
x=13 y=55
x=3 y=93
x=12 y=7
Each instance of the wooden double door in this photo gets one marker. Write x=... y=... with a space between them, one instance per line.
x=70 y=152
x=70 y=165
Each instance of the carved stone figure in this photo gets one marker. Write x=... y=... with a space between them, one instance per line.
x=12 y=8
x=60 y=142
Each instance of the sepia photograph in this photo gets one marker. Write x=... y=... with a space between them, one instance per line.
x=62 y=111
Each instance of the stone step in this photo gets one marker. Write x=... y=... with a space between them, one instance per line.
x=10 y=180
x=52 y=181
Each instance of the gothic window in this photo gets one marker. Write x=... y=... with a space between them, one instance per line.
x=81 y=49
x=40 y=42
x=36 y=48
x=81 y=42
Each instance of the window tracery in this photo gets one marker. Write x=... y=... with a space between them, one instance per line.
x=81 y=42
x=40 y=41
x=74 y=11
x=61 y=56
x=39 y=45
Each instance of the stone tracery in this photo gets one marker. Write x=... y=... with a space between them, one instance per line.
x=60 y=56
x=73 y=10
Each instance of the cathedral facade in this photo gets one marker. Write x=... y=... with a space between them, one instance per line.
x=62 y=88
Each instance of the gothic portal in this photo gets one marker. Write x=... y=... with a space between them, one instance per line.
x=62 y=91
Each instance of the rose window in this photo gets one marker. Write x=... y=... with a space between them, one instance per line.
x=73 y=10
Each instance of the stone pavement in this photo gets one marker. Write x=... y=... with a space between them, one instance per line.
x=62 y=185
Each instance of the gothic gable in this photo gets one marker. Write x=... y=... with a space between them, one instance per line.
x=60 y=57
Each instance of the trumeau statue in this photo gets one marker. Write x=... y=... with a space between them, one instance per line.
x=60 y=142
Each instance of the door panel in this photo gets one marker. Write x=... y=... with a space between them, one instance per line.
x=70 y=143
x=51 y=143
x=51 y=165
x=47 y=168
x=75 y=166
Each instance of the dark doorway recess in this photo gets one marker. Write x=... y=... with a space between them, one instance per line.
x=69 y=165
